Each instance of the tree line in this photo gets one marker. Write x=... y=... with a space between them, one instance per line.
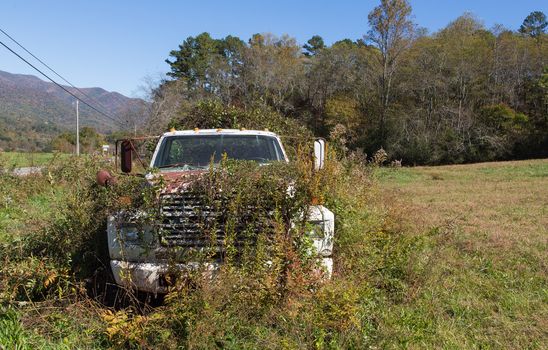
x=465 y=93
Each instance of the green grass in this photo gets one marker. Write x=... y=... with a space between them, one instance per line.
x=476 y=235
x=27 y=205
x=24 y=202
x=496 y=171
x=23 y=159
x=12 y=335
x=481 y=277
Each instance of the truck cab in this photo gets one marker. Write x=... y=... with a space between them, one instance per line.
x=139 y=258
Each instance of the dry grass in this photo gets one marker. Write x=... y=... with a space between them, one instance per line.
x=507 y=201
x=434 y=257
x=483 y=278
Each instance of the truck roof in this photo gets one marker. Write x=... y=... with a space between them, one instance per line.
x=219 y=131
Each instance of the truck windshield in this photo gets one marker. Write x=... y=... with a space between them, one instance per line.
x=197 y=151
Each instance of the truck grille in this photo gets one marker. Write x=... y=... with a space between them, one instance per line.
x=189 y=220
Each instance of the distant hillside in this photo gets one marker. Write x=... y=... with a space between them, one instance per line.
x=32 y=111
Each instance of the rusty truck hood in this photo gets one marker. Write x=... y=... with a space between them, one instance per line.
x=177 y=181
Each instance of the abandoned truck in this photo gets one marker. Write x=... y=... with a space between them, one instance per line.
x=139 y=260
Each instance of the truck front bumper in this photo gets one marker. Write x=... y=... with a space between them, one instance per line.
x=152 y=277
x=156 y=277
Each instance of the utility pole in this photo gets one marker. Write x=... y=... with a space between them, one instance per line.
x=77 y=129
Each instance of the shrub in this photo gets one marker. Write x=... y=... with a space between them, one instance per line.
x=212 y=114
x=265 y=295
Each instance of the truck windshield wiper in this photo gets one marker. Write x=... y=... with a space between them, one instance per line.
x=179 y=165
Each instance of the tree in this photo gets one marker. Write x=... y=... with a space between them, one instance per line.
x=209 y=66
x=90 y=140
x=313 y=45
x=193 y=59
x=226 y=70
x=534 y=25
x=467 y=48
x=392 y=32
x=165 y=99
x=335 y=71
x=273 y=70
x=462 y=94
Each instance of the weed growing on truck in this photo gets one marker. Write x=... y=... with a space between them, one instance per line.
x=51 y=272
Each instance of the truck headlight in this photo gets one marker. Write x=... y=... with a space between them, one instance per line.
x=130 y=234
x=322 y=228
x=317 y=229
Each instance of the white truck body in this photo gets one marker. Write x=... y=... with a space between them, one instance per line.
x=139 y=261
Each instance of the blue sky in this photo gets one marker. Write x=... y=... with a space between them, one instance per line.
x=115 y=44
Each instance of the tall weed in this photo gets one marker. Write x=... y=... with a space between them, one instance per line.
x=267 y=294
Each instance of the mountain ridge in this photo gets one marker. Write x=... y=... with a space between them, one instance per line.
x=33 y=111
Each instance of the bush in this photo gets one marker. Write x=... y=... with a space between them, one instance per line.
x=267 y=294
x=212 y=114
x=247 y=305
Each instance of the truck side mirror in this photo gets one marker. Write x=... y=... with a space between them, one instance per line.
x=126 y=151
x=319 y=153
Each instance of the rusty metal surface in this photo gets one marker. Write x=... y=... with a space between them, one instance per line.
x=130 y=140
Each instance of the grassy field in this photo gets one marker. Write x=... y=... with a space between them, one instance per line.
x=482 y=278
x=427 y=257
x=24 y=159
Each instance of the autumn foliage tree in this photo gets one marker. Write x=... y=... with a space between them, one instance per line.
x=392 y=32
x=464 y=93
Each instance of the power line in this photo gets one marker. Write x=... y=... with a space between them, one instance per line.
x=51 y=69
x=61 y=86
